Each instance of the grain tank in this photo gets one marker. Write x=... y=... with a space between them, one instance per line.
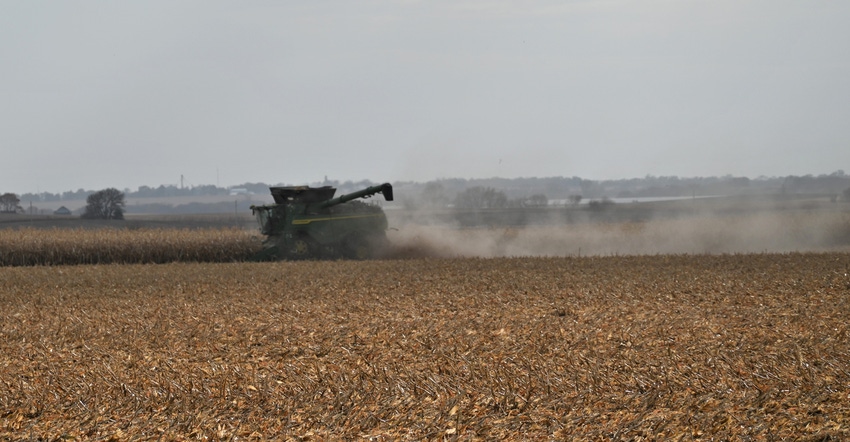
x=308 y=222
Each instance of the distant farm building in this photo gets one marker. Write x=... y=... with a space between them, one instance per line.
x=62 y=211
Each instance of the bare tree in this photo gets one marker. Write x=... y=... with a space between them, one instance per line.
x=602 y=204
x=537 y=200
x=434 y=195
x=10 y=203
x=105 y=204
x=479 y=197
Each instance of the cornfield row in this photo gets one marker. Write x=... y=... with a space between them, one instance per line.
x=726 y=347
x=26 y=247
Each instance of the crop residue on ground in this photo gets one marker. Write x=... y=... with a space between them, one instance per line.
x=655 y=347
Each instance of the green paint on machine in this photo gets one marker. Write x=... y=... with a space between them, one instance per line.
x=309 y=223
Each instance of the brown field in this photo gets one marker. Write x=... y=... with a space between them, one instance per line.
x=682 y=347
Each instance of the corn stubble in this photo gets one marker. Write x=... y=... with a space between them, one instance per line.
x=635 y=348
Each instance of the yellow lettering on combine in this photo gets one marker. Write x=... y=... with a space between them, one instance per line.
x=336 y=218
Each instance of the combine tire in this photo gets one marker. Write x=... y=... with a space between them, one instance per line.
x=302 y=248
x=357 y=247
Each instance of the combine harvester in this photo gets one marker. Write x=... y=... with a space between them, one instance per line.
x=309 y=223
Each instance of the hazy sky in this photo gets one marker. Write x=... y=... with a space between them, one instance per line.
x=98 y=94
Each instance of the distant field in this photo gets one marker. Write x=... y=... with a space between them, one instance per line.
x=668 y=347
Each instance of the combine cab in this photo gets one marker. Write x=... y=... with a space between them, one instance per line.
x=309 y=223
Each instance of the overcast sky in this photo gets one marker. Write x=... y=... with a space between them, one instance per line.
x=97 y=94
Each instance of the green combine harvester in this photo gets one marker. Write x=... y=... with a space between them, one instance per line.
x=309 y=223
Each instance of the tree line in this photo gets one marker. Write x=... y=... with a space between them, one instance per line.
x=104 y=204
x=505 y=192
x=516 y=188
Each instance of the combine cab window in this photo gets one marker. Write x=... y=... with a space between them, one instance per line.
x=264 y=219
x=270 y=218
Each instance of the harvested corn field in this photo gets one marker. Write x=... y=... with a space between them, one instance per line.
x=648 y=347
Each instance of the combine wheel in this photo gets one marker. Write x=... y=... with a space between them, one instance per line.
x=302 y=248
x=357 y=247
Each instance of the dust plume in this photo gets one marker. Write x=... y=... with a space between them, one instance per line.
x=702 y=233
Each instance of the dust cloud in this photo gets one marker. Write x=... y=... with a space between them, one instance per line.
x=702 y=233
